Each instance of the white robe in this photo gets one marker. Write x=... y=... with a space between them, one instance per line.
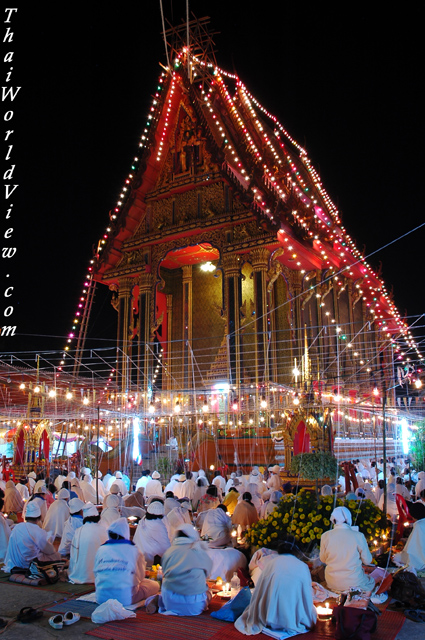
x=27 y=541
x=85 y=543
x=174 y=519
x=143 y=481
x=4 y=537
x=343 y=550
x=100 y=488
x=122 y=486
x=217 y=525
x=119 y=570
x=151 y=538
x=225 y=562
x=70 y=527
x=413 y=553
x=57 y=515
x=109 y=515
x=41 y=502
x=282 y=599
x=88 y=492
x=23 y=490
x=153 y=488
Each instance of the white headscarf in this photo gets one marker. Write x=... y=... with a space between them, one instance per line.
x=341 y=515
x=326 y=490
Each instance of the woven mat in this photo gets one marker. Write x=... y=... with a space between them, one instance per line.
x=204 y=627
x=58 y=587
x=85 y=609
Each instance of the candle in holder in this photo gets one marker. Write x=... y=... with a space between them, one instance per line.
x=131 y=519
x=219 y=582
x=324 y=613
x=227 y=586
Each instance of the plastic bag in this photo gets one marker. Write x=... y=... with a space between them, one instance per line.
x=111 y=610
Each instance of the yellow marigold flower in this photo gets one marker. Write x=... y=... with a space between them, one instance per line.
x=274 y=523
x=328 y=508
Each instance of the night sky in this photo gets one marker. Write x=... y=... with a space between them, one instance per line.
x=347 y=86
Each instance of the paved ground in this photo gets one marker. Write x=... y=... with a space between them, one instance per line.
x=14 y=597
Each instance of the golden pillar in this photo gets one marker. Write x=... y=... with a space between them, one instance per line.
x=259 y=259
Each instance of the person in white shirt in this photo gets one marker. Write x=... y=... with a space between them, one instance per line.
x=151 y=536
x=178 y=487
x=22 y=487
x=5 y=532
x=220 y=483
x=120 y=482
x=31 y=481
x=144 y=479
x=99 y=487
x=189 y=486
x=153 y=487
x=119 y=568
x=74 y=522
x=57 y=514
x=273 y=481
x=343 y=550
x=218 y=526
x=111 y=510
x=28 y=541
x=401 y=489
x=85 y=543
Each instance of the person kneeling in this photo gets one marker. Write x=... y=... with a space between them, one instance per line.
x=185 y=566
x=119 y=568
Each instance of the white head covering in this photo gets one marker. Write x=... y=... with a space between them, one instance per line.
x=326 y=490
x=341 y=515
x=89 y=510
x=181 y=478
x=118 y=475
x=155 y=475
x=32 y=475
x=70 y=476
x=156 y=508
x=190 y=531
x=275 y=469
x=115 y=489
x=201 y=473
x=99 y=473
x=75 y=505
x=63 y=494
x=111 y=501
x=120 y=527
x=33 y=510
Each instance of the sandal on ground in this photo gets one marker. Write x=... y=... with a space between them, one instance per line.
x=56 y=621
x=28 y=614
x=70 y=617
x=152 y=604
x=415 y=615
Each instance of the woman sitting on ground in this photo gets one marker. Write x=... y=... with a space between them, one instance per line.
x=283 y=599
x=119 y=568
x=245 y=513
x=151 y=535
x=186 y=566
x=343 y=550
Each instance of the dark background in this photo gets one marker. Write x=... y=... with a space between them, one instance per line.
x=347 y=86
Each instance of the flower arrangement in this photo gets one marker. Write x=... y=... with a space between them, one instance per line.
x=307 y=518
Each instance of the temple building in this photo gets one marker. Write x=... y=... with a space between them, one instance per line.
x=243 y=306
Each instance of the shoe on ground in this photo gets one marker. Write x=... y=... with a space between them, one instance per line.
x=56 y=621
x=70 y=617
x=379 y=599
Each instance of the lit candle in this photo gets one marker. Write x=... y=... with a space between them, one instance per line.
x=324 y=613
x=219 y=582
x=227 y=587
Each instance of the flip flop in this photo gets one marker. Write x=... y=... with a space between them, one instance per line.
x=415 y=615
x=28 y=614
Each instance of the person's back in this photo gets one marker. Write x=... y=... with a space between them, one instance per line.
x=85 y=543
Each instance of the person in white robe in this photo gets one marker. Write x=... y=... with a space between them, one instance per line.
x=173 y=480
x=12 y=499
x=273 y=502
x=31 y=481
x=178 y=487
x=273 y=482
x=57 y=514
x=5 y=532
x=218 y=526
x=225 y=562
x=39 y=499
x=257 y=478
x=154 y=486
x=369 y=494
x=119 y=568
x=111 y=510
x=85 y=543
x=260 y=558
x=144 y=479
x=245 y=513
x=186 y=566
x=74 y=522
x=413 y=553
x=76 y=488
x=189 y=487
x=89 y=492
x=420 y=484
x=200 y=491
x=106 y=479
x=22 y=487
x=282 y=598
x=40 y=483
x=120 y=482
x=99 y=487
x=28 y=541
x=343 y=550
x=59 y=480
x=256 y=499
x=220 y=483
x=176 y=517
x=170 y=502
x=230 y=483
x=151 y=536
x=401 y=489
x=392 y=510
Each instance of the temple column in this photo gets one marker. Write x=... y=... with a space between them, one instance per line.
x=232 y=305
x=187 y=326
x=296 y=281
x=123 y=341
x=169 y=354
x=144 y=330
x=259 y=259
